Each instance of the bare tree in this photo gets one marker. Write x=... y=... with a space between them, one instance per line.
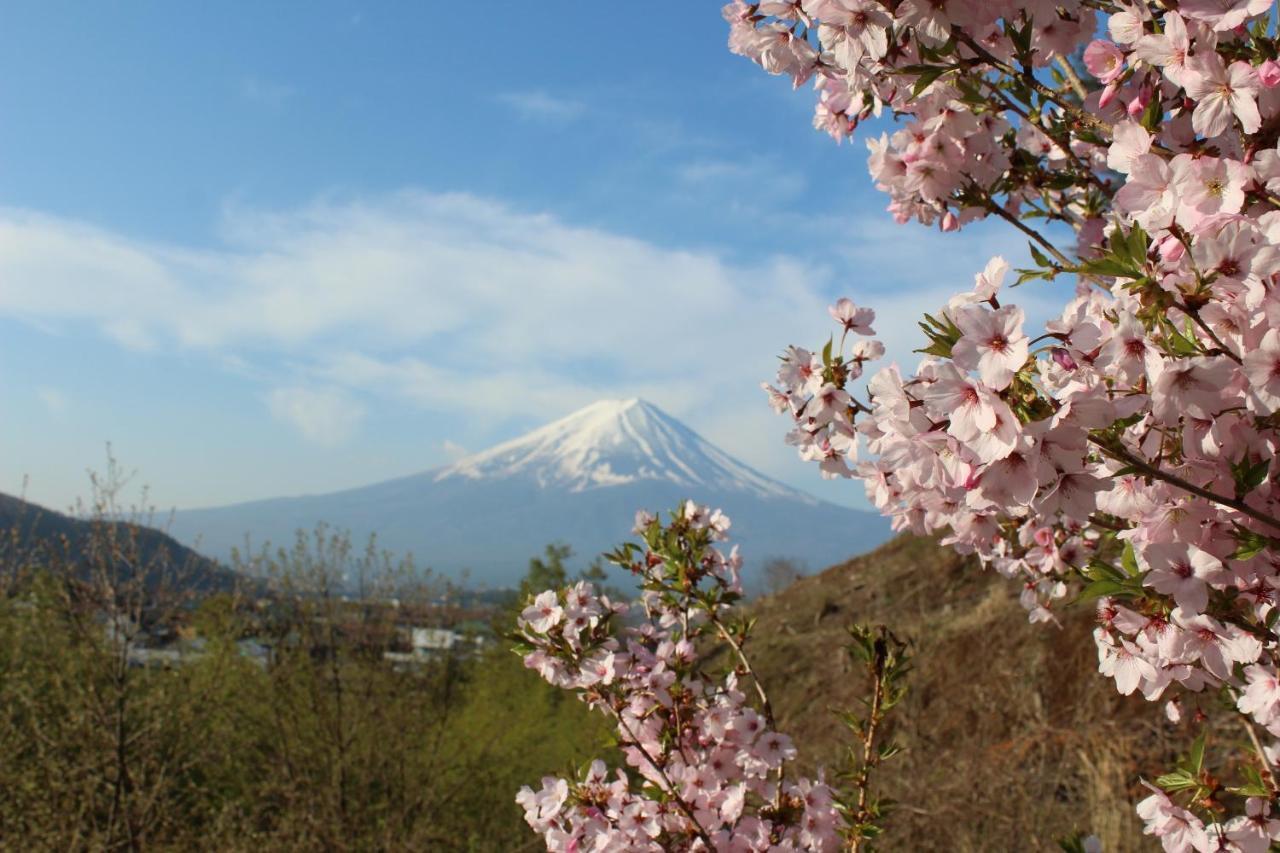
x=779 y=573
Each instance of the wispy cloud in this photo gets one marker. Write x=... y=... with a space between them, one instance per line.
x=703 y=171
x=267 y=92
x=327 y=417
x=540 y=105
x=54 y=400
x=454 y=303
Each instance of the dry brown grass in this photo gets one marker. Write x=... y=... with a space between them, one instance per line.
x=1013 y=738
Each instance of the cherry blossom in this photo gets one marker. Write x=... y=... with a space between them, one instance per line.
x=705 y=769
x=1221 y=91
x=1126 y=452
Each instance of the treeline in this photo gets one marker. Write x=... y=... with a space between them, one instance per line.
x=321 y=743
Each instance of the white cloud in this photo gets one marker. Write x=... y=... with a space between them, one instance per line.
x=327 y=417
x=453 y=450
x=54 y=400
x=539 y=105
x=459 y=304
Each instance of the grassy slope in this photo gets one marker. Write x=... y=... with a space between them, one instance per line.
x=1013 y=738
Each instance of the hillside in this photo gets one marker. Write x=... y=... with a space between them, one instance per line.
x=577 y=480
x=1013 y=739
x=35 y=533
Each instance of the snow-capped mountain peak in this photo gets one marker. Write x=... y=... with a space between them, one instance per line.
x=613 y=443
x=578 y=481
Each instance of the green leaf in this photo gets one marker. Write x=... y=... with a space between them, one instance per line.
x=1129 y=560
x=1025 y=276
x=1180 y=343
x=1179 y=780
x=1138 y=244
x=1109 y=266
x=927 y=77
x=1195 y=759
x=1039 y=256
x=1254 y=787
x=1248 y=544
x=1097 y=570
x=1108 y=589
x=1249 y=476
x=1021 y=38
x=1152 y=115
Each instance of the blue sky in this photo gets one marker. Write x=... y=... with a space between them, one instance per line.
x=269 y=249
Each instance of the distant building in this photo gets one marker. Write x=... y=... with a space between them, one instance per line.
x=429 y=640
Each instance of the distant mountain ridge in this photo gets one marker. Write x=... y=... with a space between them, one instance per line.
x=36 y=534
x=577 y=480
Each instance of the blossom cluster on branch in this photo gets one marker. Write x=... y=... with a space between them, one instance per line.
x=705 y=766
x=1127 y=451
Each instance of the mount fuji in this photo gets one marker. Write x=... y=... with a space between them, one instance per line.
x=578 y=480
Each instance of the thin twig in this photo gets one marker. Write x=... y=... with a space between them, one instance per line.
x=684 y=807
x=1262 y=754
x=868 y=744
x=1030 y=80
x=995 y=208
x=746 y=665
x=1073 y=79
x=1204 y=327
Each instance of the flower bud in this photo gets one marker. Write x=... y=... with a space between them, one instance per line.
x=1063 y=359
x=1171 y=249
x=1269 y=73
x=1108 y=94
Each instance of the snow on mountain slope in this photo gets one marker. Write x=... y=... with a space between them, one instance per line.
x=578 y=480
x=614 y=442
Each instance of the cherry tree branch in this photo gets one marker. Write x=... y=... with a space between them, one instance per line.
x=746 y=666
x=990 y=204
x=1031 y=82
x=1073 y=79
x=679 y=801
x=1122 y=455
x=1204 y=327
x=862 y=783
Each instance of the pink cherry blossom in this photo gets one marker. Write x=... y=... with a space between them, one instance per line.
x=992 y=344
x=852 y=318
x=1181 y=571
x=1220 y=92
x=1104 y=60
x=1179 y=830
x=1136 y=448
x=544 y=613
x=1224 y=14
x=1168 y=50
x=1262 y=368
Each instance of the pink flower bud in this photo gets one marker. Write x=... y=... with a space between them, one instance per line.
x=1171 y=249
x=950 y=222
x=1063 y=359
x=1108 y=95
x=1269 y=73
x=1138 y=105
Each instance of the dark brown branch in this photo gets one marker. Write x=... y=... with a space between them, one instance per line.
x=1121 y=455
